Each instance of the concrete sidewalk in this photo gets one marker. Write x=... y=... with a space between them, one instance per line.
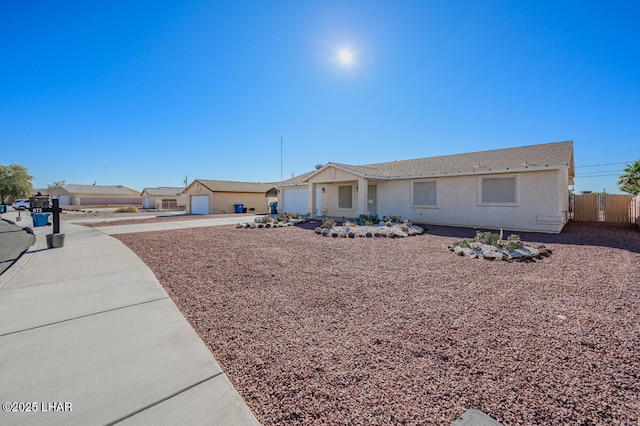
x=88 y=336
x=176 y=224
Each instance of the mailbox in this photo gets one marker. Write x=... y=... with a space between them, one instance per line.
x=39 y=202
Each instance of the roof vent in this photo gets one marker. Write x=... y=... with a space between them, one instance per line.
x=318 y=166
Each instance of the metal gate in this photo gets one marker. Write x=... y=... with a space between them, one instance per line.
x=372 y=191
x=604 y=208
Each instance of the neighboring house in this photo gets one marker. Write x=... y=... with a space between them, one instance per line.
x=519 y=189
x=164 y=198
x=221 y=196
x=95 y=195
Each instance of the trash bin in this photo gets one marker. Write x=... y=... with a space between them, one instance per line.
x=40 y=219
x=239 y=207
x=274 y=207
x=3 y=208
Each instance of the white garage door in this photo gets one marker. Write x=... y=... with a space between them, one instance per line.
x=296 y=200
x=199 y=204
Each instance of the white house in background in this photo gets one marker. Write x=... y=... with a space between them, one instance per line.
x=164 y=198
x=519 y=189
x=95 y=195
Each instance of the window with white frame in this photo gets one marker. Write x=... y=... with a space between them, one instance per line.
x=502 y=190
x=425 y=194
x=345 y=197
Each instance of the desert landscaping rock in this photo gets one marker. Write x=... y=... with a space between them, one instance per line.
x=380 y=231
x=315 y=330
x=476 y=249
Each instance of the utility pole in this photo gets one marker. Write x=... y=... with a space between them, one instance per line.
x=280 y=158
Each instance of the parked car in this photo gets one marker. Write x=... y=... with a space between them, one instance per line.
x=20 y=205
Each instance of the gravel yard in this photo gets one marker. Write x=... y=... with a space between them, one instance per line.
x=315 y=330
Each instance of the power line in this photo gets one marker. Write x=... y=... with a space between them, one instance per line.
x=602 y=164
x=592 y=176
x=600 y=172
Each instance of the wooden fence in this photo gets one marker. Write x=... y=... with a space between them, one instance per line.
x=604 y=208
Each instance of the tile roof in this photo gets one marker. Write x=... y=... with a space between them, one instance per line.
x=232 y=186
x=94 y=189
x=558 y=154
x=295 y=180
x=164 y=190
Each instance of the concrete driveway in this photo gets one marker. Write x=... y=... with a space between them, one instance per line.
x=89 y=336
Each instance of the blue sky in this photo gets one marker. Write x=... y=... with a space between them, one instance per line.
x=144 y=93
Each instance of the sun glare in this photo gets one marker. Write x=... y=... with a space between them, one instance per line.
x=345 y=57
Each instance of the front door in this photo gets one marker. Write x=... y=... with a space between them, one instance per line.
x=373 y=199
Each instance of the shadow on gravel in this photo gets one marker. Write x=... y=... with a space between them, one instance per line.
x=615 y=235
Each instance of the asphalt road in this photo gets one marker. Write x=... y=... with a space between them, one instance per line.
x=14 y=241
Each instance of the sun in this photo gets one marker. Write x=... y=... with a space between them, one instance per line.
x=345 y=57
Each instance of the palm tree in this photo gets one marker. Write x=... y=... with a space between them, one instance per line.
x=629 y=182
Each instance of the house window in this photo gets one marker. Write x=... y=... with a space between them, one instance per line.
x=425 y=194
x=501 y=190
x=345 y=197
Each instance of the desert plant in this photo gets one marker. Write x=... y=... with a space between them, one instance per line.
x=513 y=237
x=263 y=219
x=328 y=224
x=463 y=243
x=395 y=219
x=487 y=238
x=364 y=218
x=127 y=209
x=513 y=245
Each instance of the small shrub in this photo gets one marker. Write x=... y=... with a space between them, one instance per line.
x=328 y=224
x=488 y=238
x=127 y=209
x=364 y=218
x=513 y=245
x=263 y=219
x=513 y=237
x=396 y=219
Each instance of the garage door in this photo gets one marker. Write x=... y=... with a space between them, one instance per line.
x=199 y=204
x=296 y=200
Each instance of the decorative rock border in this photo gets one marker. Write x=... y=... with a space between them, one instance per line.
x=511 y=250
x=396 y=230
x=273 y=224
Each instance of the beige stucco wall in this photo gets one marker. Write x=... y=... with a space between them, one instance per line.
x=155 y=201
x=542 y=201
x=329 y=199
x=539 y=209
x=223 y=202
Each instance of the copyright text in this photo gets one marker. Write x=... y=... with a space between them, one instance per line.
x=35 y=407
